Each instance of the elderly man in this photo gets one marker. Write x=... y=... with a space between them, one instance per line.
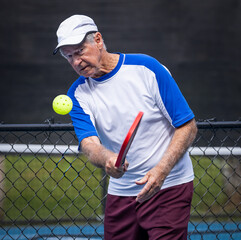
x=149 y=197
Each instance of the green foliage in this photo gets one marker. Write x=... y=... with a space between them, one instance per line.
x=40 y=188
x=209 y=196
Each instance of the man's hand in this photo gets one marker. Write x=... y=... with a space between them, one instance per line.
x=112 y=170
x=153 y=180
x=102 y=157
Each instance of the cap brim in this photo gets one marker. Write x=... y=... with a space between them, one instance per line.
x=74 y=40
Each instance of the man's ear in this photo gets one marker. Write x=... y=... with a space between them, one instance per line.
x=99 y=40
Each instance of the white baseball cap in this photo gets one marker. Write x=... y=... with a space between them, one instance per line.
x=73 y=30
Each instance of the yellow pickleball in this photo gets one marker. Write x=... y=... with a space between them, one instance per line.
x=62 y=104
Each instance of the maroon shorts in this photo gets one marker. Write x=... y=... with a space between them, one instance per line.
x=164 y=216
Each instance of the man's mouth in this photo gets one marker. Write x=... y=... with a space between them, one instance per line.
x=83 y=68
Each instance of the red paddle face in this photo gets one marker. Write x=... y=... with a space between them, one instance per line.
x=128 y=140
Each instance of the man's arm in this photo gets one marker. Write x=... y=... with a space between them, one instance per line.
x=182 y=139
x=102 y=157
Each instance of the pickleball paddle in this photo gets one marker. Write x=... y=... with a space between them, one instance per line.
x=128 y=140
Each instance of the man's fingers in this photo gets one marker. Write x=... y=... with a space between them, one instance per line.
x=148 y=190
x=142 y=181
x=118 y=172
x=145 y=193
x=145 y=189
x=125 y=166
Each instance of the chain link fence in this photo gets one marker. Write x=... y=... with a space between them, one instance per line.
x=48 y=190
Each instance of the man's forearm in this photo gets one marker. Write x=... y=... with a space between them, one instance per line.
x=95 y=152
x=182 y=139
x=101 y=157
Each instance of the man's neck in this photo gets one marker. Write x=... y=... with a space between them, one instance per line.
x=108 y=63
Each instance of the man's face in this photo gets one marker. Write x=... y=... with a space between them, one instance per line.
x=84 y=58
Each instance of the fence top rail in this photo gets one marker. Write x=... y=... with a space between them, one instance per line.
x=69 y=126
x=222 y=124
x=37 y=127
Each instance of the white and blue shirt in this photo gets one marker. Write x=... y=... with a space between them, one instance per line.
x=107 y=106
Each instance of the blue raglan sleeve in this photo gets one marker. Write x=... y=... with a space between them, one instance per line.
x=82 y=123
x=171 y=96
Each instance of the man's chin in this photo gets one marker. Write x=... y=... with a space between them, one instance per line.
x=90 y=73
x=86 y=74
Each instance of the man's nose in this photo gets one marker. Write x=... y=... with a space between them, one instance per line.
x=77 y=60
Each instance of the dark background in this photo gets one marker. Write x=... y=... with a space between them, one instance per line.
x=199 y=41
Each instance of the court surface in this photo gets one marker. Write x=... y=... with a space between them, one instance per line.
x=206 y=231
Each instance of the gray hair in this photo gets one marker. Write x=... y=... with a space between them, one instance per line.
x=91 y=38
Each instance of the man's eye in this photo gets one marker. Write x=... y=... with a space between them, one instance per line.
x=80 y=51
x=68 y=57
